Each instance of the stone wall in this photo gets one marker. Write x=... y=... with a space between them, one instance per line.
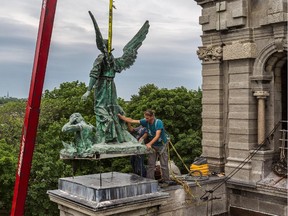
x=243 y=53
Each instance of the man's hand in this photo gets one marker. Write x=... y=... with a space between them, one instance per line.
x=149 y=146
x=121 y=116
x=84 y=97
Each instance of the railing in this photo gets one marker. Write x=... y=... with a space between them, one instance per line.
x=279 y=167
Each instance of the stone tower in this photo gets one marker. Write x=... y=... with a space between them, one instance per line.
x=244 y=71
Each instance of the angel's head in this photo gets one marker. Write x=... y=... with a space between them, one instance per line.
x=105 y=44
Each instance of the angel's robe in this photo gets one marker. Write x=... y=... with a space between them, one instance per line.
x=108 y=126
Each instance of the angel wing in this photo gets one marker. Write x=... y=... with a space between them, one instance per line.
x=130 y=50
x=99 y=39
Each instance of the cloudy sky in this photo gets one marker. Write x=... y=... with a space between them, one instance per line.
x=167 y=57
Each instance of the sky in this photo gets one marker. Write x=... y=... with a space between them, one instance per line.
x=167 y=57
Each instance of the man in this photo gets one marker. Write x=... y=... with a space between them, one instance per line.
x=137 y=161
x=157 y=140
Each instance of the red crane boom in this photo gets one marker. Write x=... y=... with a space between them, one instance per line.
x=33 y=106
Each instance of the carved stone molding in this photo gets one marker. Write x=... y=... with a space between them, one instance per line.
x=261 y=94
x=210 y=53
x=238 y=50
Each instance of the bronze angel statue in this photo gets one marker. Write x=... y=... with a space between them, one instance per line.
x=108 y=127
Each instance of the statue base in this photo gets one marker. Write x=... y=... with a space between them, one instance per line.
x=105 y=150
x=101 y=193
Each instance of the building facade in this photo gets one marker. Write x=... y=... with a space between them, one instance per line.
x=244 y=71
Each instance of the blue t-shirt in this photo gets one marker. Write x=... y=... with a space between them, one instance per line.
x=152 y=128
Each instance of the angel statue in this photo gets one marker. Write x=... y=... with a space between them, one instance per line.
x=108 y=127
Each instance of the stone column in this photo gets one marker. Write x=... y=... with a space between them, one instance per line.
x=261 y=96
x=212 y=106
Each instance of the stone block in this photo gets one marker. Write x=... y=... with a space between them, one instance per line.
x=242 y=175
x=108 y=194
x=212 y=19
x=239 y=85
x=238 y=155
x=240 y=65
x=236 y=22
x=243 y=77
x=241 y=98
x=204 y=20
x=212 y=123
x=242 y=115
x=212 y=67
x=242 y=108
x=277 y=17
x=221 y=24
x=212 y=108
x=239 y=12
x=212 y=136
x=211 y=86
x=107 y=186
x=213 y=80
x=212 y=115
x=235 y=200
x=209 y=151
x=241 y=123
x=211 y=129
x=237 y=130
x=244 y=49
x=239 y=141
x=271 y=208
x=209 y=142
x=208 y=100
x=221 y=6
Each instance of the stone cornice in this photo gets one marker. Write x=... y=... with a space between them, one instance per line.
x=201 y=2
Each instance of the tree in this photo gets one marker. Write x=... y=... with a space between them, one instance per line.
x=11 y=121
x=180 y=109
x=8 y=164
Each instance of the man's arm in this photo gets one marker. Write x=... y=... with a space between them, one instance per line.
x=145 y=135
x=130 y=128
x=128 y=120
x=154 y=140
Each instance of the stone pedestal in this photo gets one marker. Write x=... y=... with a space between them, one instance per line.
x=261 y=165
x=107 y=194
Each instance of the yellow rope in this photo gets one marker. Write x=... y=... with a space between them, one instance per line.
x=184 y=184
x=189 y=172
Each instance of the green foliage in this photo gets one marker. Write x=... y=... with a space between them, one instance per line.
x=189 y=147
x=8 y=164
x=179 y=108
x=4 y=100
x=11 y=121
x=56 y=107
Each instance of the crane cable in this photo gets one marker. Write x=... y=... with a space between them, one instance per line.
x=110 y=26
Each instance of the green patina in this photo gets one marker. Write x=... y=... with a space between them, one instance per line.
x=109 y=128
